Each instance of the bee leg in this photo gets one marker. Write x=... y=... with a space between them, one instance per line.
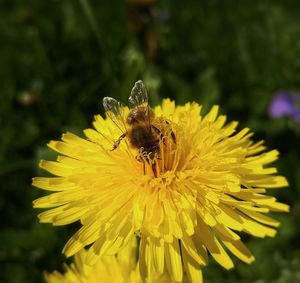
x=173 y=137
x=156 y=130
x=172 y=133
x=117 y=142
x=154 y=170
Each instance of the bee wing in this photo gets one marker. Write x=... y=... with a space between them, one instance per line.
x=114 y=110
x=138 y=95
x=139 y=98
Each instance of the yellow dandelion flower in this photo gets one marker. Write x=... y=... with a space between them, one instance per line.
x=122 y=268
x=186 y=193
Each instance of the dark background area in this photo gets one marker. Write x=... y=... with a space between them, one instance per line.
x=59 y=58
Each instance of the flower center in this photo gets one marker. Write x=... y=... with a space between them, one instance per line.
x=157 y=164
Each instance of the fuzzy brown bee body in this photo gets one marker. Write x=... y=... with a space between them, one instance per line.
x=141 y=114
x=140 y=127
x=141 y=137
x=142 y=134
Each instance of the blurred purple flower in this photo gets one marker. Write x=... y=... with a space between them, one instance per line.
x=285 y=104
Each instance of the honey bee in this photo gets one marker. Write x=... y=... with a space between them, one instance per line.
x=138 y=127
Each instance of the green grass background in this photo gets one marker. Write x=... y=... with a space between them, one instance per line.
x=59 y=58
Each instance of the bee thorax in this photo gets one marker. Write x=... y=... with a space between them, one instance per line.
x=140 y=114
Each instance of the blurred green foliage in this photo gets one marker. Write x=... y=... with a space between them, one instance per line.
x=59 y=58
